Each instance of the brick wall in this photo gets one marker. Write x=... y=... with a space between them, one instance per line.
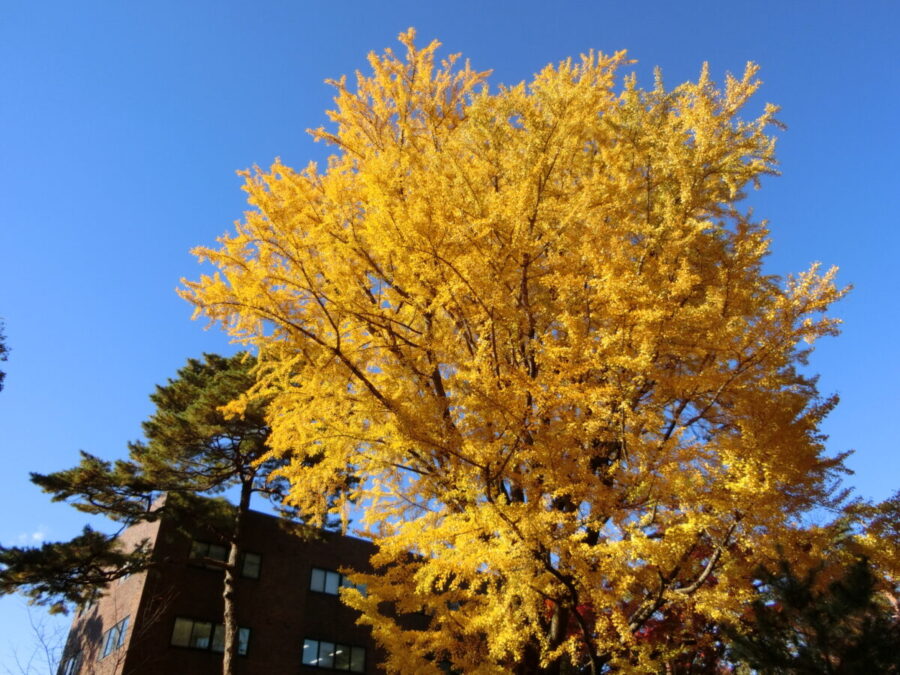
x=279 y=608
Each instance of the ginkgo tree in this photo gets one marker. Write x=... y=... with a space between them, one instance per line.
x=535 y=323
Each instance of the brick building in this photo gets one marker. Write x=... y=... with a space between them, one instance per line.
x=167 y=620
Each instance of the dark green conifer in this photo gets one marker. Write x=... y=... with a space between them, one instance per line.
x=802 y=627
x=191 y=448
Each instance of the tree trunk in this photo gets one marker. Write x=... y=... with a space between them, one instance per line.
x=530 y=662
x=231 y=572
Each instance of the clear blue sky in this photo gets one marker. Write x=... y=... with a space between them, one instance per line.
x=122 y=124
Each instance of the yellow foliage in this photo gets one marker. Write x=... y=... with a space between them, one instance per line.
x=535 y=323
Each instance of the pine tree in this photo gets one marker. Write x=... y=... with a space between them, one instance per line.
x=192 y=447
x=71 y=572
x=800 y=625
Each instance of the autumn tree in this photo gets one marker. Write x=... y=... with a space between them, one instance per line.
x=535 y=322
x=192 y=447
x=876 y=537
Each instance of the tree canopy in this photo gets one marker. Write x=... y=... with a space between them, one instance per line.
x=193 y=443
x=535 y=322
x=71 y=572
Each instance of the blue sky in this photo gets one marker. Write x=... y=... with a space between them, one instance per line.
x=122 y=126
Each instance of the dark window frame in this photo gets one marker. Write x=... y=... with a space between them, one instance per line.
x=343 y=582
x=211 y=639
x=352 y=651
x=243 y=565
x=72 y=665
x=200 y=557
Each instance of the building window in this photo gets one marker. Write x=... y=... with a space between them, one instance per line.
x=114 y=638
x=206 y=635
x=328 y=581
x=209 y=555
x=250 y=565
x=324 y=581
x=71 y=665
x=215 y=557
x=324 y=654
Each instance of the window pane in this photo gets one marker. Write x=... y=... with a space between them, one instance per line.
x=108 y=639
x=357 y=660
x=332 y=582
x=199 y=549
x=122 y=629
x=218 y=640
x=346 y=583
x=310 y=653
x=317 y=580
x=243 y=640
x=218 y=552
x=326 y=654
x=201 y=634
x=181 y=635
x=342 y=657
x=251 y=565
x=72 y=665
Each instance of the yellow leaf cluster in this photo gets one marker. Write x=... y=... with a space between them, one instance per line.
x=534 y=323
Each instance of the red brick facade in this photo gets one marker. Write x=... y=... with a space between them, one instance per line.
x=279 y=608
